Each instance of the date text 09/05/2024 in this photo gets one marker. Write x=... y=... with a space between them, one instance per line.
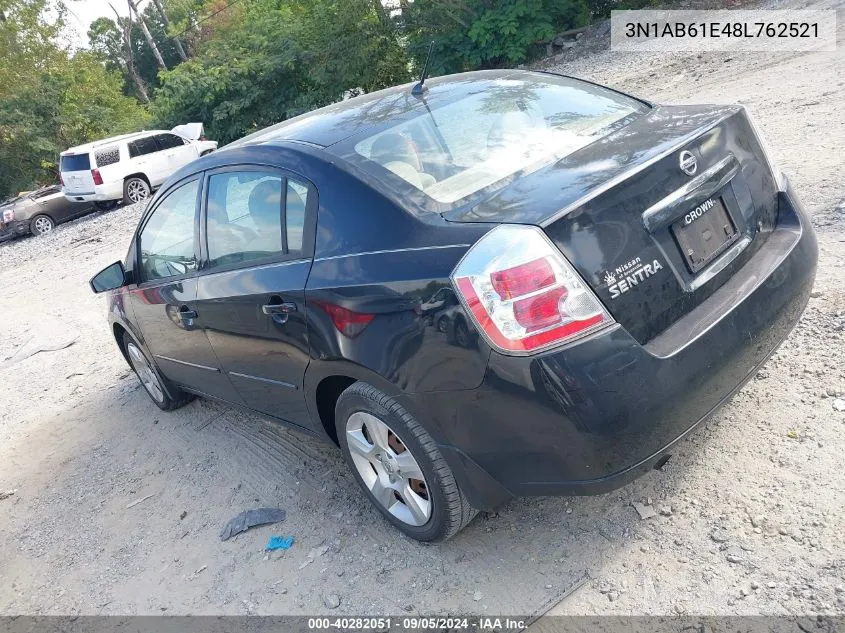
x=722 y=29
x=418 y=623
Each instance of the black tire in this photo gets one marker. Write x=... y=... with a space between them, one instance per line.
x=450 y=510
x=167 y=396
x=106 y=205
x=135 y=189
x=462 y=335
x=443 y=324
x=41 y=224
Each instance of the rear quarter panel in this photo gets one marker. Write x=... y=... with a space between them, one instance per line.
x=374 y=257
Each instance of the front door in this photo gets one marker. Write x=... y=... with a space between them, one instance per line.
x=164 y=300
x=176 y=151
x=251 y=293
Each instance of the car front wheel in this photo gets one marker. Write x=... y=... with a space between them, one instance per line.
x=41 y=224
x=135 y=190
x=167 y=399
x=398 y=465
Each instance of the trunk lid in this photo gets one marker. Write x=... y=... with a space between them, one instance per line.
x=76 y=174
x=652 y=240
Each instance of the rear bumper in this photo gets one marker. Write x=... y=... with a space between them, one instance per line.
x=101 y=193
x=13 y=229
x=589 y=418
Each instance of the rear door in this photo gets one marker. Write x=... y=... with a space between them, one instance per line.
x=164 y=301
x=259 y=230
x=175 y=149
x=76 y=174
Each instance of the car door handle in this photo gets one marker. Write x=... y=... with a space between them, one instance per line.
x=279 y=311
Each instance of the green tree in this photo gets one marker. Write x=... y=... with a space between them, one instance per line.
x=49 y=99
x=473 y=34
x=275 y=59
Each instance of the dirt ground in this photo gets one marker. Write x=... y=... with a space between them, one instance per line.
x=750 y=508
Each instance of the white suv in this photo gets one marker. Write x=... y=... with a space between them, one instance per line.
x=129 y=167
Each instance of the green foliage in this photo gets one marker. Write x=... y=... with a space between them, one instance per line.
x=279 y=60
x=472 y=34
x=52 y=100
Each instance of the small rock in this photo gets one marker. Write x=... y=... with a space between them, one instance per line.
x=331 y=600
x=816 y=294
x=477 y=596
x=755 y=584
x=772 y=585
x=757 y=521
x=733 y=558
x=719 y=536
x=666 y=511
x=645 y=511
x=613 y=596
x=183 y=515
x=744 y=592
x=839 y=404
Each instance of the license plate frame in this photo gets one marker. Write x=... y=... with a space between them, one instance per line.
x=705 y=233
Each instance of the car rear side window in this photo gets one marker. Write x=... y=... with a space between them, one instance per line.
x=246 y=216
x=513 y=127
x=76 y=162
x=167 y=243
x=142 y=146
x=107 y=156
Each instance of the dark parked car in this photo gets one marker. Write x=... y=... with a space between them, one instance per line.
x=38 y=212
x=624 y=268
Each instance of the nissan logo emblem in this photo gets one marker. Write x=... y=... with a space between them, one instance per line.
x=688 y=163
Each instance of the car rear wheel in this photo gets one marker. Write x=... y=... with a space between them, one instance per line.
x=152 y=382
x=41 y=224
x=398 y=465
x=135 y=190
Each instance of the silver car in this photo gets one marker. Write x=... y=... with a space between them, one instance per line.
x=38 y=212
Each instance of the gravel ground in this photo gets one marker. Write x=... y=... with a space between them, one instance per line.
x=748 y=511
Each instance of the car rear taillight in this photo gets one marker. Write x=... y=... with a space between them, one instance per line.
x=522 y=293
x=98 y=179
x=347 y=322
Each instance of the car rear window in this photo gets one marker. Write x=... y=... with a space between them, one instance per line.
x=512 y=127
x=107 y=156
x=75 y=162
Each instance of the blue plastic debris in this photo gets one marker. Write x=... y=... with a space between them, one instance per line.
x=279 y=542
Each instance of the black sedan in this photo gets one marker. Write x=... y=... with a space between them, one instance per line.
x=511 y=283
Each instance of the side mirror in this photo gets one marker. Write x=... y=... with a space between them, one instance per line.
x=109 y=278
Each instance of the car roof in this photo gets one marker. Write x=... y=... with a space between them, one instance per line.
x=87 y=147
x=329 y=125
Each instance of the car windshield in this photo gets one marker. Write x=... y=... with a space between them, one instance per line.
x=75 y=162
x=513 y=127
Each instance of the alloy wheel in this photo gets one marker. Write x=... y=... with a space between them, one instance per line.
x=145 y=372
x=137 y=190
x=43 y=225
x=388 y=469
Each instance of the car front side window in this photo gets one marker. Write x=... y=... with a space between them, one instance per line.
x=167 y=243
